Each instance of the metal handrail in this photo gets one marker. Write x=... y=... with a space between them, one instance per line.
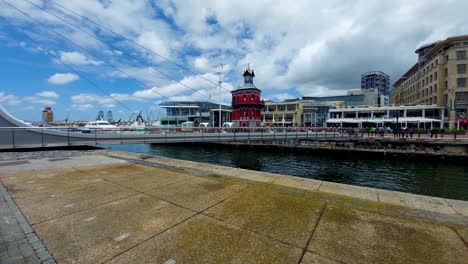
x=13 y=137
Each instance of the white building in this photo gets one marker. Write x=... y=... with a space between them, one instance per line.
x=407 y=116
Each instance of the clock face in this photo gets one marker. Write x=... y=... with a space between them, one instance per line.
x=248 y=78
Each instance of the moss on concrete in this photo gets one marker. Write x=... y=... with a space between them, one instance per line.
x=355 y=236
x=286 y=218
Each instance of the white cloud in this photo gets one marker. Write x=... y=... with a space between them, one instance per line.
x=82 y=107
x=63 y=78
x=9 y=99
x=104 y=101
x=48 y=94
x=154 y=42
x=199 y=89
x=281 y=96
x=77 y=58
x=13 y=100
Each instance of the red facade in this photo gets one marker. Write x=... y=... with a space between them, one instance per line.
x=246 y=103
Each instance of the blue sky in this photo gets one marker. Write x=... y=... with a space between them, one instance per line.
x=306 y=48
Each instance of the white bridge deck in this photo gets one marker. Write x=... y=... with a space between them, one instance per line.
x=33 y=137
x=15 y=133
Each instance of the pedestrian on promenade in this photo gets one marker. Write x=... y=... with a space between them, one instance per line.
x=411 y=132
x=394 y=132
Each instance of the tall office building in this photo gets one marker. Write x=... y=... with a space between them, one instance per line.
x=376 y=80
x=47 y=115
x=438 y=77
x=100 y=115
x=109 y=116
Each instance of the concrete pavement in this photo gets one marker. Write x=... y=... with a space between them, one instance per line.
x=117 y=207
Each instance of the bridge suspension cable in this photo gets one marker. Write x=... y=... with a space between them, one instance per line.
x=86 y=51
x=138 y=45
x=51 y=54
x=116 y=48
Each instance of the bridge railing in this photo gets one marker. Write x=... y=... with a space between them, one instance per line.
x=21 y=137
x=33 y=137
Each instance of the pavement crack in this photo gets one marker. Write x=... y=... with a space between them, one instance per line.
x=304 y=250
x=175 y=225
x=458 y=213
x=251 y=231
x=461 y=238
x=86 y=209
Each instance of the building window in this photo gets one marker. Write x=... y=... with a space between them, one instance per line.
x=435 y=76
x=461 y=82
x=461 y=68
x=461 y=55
x=245 y=98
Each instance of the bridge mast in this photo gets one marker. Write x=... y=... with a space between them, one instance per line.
x=220 y=81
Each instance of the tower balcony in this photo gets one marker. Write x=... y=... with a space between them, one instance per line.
x=260 y=104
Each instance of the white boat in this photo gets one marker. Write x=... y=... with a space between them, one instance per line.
x=99 y=124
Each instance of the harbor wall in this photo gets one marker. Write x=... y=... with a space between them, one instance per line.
x=389 y=147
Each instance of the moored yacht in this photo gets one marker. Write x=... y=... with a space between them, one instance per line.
x=99 y=124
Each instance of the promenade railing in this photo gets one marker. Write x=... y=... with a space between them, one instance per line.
x=33 y=137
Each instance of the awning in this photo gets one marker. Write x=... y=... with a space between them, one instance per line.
x=382 y=120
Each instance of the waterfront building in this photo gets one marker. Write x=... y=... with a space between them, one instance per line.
x=297 y=112
x=246 y=103
x=47 y=115
x=367 y=97
x=178 y=112
x=427 y=116
x=376 y=80
x=109 y=116
x=313 y=111
x=438 y=77
x=100 y=115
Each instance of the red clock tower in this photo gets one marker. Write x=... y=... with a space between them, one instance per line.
x=246 y=103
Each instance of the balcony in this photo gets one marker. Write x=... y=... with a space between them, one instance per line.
x=249 y=104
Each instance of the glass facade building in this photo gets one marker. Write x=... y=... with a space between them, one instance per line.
x=349 y=100
x=178 y=112
x=377 y=80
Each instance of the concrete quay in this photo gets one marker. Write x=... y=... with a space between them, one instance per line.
x=105 y=206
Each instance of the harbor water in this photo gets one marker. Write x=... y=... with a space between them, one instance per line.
x=433 y=178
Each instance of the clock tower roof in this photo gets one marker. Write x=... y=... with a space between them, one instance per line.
x=249 y=74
